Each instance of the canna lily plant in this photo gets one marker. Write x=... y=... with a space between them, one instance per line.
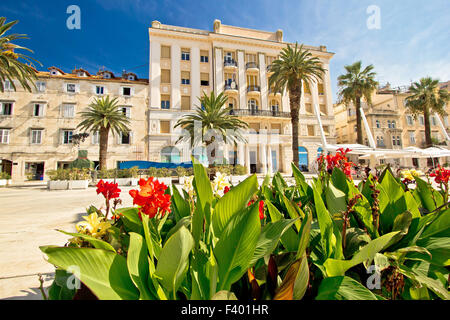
x=328 y=239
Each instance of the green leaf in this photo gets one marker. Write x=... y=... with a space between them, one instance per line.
x=202 y=187
x=343 y=288
x=295 y=282
x=224 y=295
x=335 y=199
x=304 y=234
x=173 y=260
x=440 y=225
x=236 y=246
x=181 y=206
x=97 y=243
x=289 y=238
x=130 y=218
x=325 y=224
x=269 y=237
x=430 y=198
x=185 y=221
x=233 y=201
x=104 y=272
x=339 y=267
x=138 y=266
x=438 y=247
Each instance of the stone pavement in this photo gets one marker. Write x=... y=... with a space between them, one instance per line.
x=28 y=219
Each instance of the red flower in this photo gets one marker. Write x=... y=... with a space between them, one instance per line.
x=339 y=160
x=441 y=175
x=151 y=198
x=108 y=190
x=261 y=209
x=226 y=189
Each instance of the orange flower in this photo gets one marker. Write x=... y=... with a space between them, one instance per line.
x=151 y=197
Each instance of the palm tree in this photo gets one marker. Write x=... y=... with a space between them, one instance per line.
x=426 y=97
x=214 y=117
x=294 y=66
x=353 y=86
x=10 y=66
x=104 y=116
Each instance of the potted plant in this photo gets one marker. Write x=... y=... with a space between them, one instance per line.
x=66 y=179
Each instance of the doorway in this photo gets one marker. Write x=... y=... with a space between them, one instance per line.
x=34 y=170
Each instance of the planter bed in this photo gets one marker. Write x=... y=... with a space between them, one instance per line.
x=67 y=184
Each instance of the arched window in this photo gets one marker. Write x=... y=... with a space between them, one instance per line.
x=232 y=103
x=252 y=105
x=274 y=105
x=378 y=123
x=319 y=152
x=303 y=158
x=170 y=155
x=199 y=153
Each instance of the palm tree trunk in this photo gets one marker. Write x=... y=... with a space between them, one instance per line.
x=428 y=141
x=295 y=94
x=104 y=132
x=359 y=136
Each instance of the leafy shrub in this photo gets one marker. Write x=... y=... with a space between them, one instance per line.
x=239 y=170
x=69 y=174
x=4 y=175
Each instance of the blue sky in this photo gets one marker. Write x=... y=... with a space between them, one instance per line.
x=413 y=40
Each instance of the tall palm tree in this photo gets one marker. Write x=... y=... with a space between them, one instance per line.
x=213 y=116
x=10 y=66
x=353 y=86
x=294 y=66
x=426 y=98
x=104 y=116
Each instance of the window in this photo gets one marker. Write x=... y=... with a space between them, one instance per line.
x=185 y=102
x=126 y=111
x=393 y=141
x=95 y=137
x=377 y=122
x=185 y=77
x=38 y=110
x=36 y=136
x=165 y=76
x=204 y=56
x=323 y=109
x=4 y=136
x=6 y=108
x=40 y=86
x=8 y=86
x=433 y=120
x=399 y=143
x=131 y=78
x=320 y=89
x=252 y=105
x=326 y=130
x=71 y=88
x=311 y=130
x=306 y=87
x=229 y=57
x=421 y=120
x=412 y=138
x=249 y=57
x=164 y=126
x=165 y=102
x=165 y=52
x=204 y=79
x=126 y=91
x=67 y=136
x=68 y=111
x=308 y=108
x=125 y=138
x=389 y=123
x=393 y=124
x=409 y=120
x=99 y=90
x=274 y=106
x=185 y=55
x=252 y=80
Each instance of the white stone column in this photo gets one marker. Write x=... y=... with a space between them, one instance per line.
x=175 y=76
x=242 y=80
x=219 y=82
x=241 y=154
x=225 y=152
x=195 y=76
x=263 y=81
x=247 y=157
x=315 y=100
x=263 y=153
x=155 y=74
x=269 y=160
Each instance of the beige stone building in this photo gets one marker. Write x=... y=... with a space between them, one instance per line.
x=185 y=63
x=392 y=126
x=36 y=128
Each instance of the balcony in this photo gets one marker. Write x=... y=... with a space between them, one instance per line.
x=251 y=66
x=252 y=89
x=231 y=87
x=271 y=91
x=230 y=63
x=260 y=113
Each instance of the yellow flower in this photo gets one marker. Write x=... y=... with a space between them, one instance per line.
x=410 y=174
x=220 y=182
x=187 y=185
x=94 y=225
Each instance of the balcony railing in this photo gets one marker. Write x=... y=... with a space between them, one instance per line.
x=260 y=113
x=231 y=86
x=230 y=63
x=253 y=89
x=251 y=65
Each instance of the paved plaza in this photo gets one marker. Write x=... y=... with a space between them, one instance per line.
x=28 y=219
